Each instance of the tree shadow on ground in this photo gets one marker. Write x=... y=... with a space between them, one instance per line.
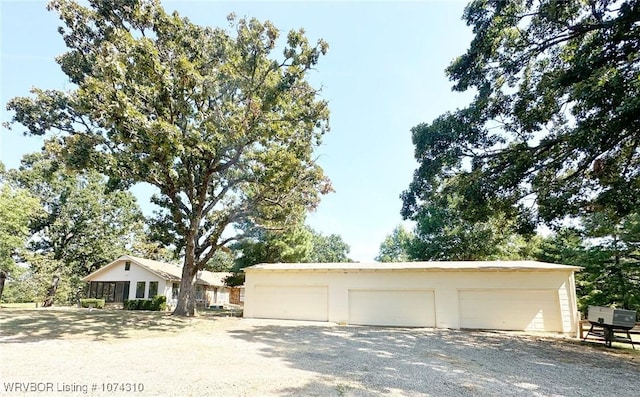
x=27 y=325
x=375 y=361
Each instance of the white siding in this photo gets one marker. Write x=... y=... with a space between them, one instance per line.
x=302 y=302
x=267 y=296
x=510 y=309
x=134 y=275
x=222 y=296
x=410 y=308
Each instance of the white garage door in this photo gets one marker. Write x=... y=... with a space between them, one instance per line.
x=291 y=303
x=531 y=310
x=407 y=308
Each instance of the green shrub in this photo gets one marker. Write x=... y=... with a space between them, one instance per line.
x=158 y=303
x=92 y=302
x=132 y=304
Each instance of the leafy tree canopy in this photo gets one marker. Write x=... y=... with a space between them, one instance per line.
x=17 y=209
x=300 y=244
x=82 y=226
x=609 y=251
x=553 y=128
x=327 y=249
x=211 y=117
x=443 y=233
x=273 y=246
x=396 y=246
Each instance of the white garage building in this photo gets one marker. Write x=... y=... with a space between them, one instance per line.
x=505 y=295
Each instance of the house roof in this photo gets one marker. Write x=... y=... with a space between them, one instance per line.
x=426 y=266
x=164 y=270
x=215 y=279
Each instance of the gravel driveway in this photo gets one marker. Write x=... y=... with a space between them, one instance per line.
x=244 y=357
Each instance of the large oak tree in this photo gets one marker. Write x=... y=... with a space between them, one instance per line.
x=223 y=127
x=553 y=130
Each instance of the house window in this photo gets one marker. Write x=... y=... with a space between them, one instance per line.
x=241 y=294
x=199 y=292
x=175 y=290
x=110 y=291
x=153 y=289
x=127 y=266
x=140 y=287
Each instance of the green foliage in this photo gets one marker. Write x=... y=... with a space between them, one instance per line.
x=158 y=303
x=20 y=290
x=299 y=244
x=17 y=208
x=396 y=246
x=133 y=304
x=609 y=251
x=143 y=247
x=209 y=116
x=272 y=246
x=81 y=225
x=86 y=225
x=327 y=249
x=92 y=303
x=555 y=115
x=222 y=261
x=236 y=279
x=443 y=233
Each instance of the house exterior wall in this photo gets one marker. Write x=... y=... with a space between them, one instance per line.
x=169 y=293
x=134 y=275
x=217 y=295
x=222 y=296
x=445 y=284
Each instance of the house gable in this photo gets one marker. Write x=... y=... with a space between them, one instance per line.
x=116 y=271
x=138 y=269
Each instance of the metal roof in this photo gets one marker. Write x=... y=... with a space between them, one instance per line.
x=425 y=266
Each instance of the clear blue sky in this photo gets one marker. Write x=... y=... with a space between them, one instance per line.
x=383 y=74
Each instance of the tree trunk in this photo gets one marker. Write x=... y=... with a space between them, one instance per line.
x=187 y=296
x=51 y=292
x=3 y=277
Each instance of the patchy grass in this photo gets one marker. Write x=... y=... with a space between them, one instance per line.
x=24 y=325
x=25 y=305
x=221 y=312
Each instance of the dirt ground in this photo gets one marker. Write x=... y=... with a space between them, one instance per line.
x=75 y=352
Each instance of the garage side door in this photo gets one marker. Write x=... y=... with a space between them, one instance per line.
x=291 y=302
x=531 y=310
x=402 y=308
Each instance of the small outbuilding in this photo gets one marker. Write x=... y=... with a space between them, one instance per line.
x=130 y=277
x=502 y=295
